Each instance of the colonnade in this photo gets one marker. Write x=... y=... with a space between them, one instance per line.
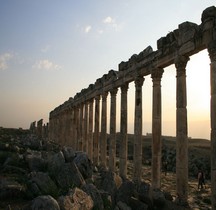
x=81 y=123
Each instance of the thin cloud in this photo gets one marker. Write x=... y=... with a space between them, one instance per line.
x=87 y=29
x=100 y=31
x=45 y=49
x=109 y=20
x=112 y=22
x=4 y=59
x=46 y=65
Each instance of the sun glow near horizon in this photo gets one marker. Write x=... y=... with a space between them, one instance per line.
x=198 y=99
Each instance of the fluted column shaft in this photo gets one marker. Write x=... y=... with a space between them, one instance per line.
x=137 y=157
x=181 y=130
x=212 y=55
x=90 y=130
x=156 y=128
x=96 y=131
x=123 y=132
x=103 y=144
x=112 y=140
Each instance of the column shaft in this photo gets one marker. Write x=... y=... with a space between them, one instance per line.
x=72 y=127
x=123 y=132
x=103 y=148
x=137 y=157
x=81 y=128
x=90 y=131
x=78 y=127
x=156 y=128
x=112 y=140
x=181 y=131
x=85 y=139
x=96 y=131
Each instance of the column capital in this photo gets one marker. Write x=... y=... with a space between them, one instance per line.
x=157 y=73
x=124 y=88
x=181 y=61
x=104 y=96
x=90 y=100
x=97 y=98
x=114 y=91
x=180 y=64
x=139 y=81
x=212 y=51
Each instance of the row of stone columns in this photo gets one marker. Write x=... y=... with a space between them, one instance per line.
x=85 y=128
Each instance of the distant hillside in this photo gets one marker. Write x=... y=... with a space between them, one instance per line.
x=198 y=152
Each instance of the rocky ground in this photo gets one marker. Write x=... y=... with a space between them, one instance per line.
x=198 y=199
x=30 y=168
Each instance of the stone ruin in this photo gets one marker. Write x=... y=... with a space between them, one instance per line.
x=40 y=129
x=72 y=123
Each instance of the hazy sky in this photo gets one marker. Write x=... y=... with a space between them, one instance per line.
x=51 y=49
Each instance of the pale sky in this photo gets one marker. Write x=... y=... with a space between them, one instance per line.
x=52 y=49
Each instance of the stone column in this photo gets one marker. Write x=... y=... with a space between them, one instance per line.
x=75 y=127
x=112 y=140
x=40 y=128
x=51 y=128
x=137 y=157
x=212 y=55
x=90 y=130
x=58 y=128
x=33 y=127
x=72 y=127
x=71 y=138
x=156 y=128
x=85 y=139
x=81 y=127
x=96 y=131
x=62 y=133
x=78 y=127
x=67 y=126
x=181 y=131
x=123 y=132
x=103 y=147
